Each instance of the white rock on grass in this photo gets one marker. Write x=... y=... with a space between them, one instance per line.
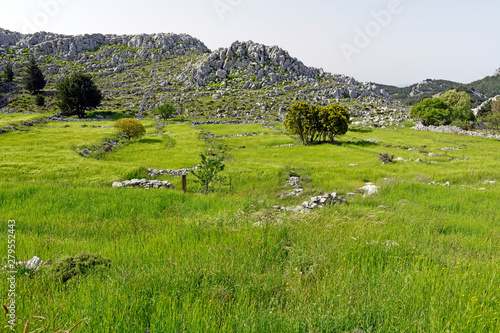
x=369 y=189
x=32 y=264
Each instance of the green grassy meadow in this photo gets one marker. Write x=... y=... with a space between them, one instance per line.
x=415 y=257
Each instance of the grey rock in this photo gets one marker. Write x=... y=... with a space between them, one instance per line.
x=145 y=183
x=173 y=173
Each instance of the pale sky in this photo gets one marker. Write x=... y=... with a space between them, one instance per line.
x=386 y=41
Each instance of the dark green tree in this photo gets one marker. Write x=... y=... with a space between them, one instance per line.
x=8 y=73
x=76 y=94
x=34 y=81
x=334 y=121
x=165 y=111
x=312 y=122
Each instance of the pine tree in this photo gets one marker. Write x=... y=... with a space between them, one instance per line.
x=34 y=81
x=8 y=73
x=78 y=93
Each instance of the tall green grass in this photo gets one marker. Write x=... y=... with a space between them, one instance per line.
x=415 y=257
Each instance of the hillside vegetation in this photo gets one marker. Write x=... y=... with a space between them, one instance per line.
x=479 y=90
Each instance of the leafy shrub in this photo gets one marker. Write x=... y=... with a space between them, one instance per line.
x=385 y=158
x=450 y=106
x=130 y=128
x=465 y=125
x=66 y=268
x=493 y=121
x=432 y=111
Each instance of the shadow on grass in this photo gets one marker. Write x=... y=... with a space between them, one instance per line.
x=149 y=140
x=360 y=143
x=107 y=115
x=360 y=130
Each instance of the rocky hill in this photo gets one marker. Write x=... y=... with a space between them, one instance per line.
x=139 y=72
x=479 y=90
x=71 y=47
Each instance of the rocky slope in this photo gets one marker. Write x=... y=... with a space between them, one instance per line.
x=70 y=47
x=139 y=72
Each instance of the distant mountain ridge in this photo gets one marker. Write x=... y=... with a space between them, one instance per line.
x=479 y=90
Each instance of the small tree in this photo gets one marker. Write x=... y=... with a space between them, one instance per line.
x=208 y=175
x=385 y=158
x=34 y=81
x=460 y=105
x=334 y=120
x=295 y=120
x=8 y=73
x=165 y=111
x=311 y=122
x=78 y=93
x=431 y=111
x=131 y=128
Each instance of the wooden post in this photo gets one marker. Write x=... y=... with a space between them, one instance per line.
x=184 y=184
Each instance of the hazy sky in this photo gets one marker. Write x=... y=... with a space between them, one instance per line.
x=387 y=41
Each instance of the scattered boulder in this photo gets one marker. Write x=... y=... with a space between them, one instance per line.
x=144 y=183
x=294 y=182
x=318 y=201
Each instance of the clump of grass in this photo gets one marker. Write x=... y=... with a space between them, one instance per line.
x=68 y=267
x=385 y=158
